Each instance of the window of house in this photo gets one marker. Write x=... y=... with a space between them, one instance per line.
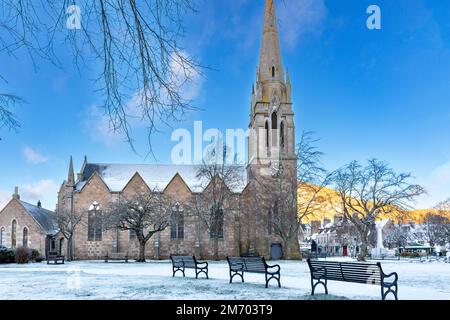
x=177 y=223
x=95 y=228
x=216 y=223
x=14 y=234
x=25 y=238
x=282 y=135
x=2 y=233
x=133 y=235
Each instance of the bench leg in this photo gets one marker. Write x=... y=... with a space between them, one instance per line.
x=236 y=273
x=275 y=276
x=201 y=270
x=314 y=285
x=394 y=291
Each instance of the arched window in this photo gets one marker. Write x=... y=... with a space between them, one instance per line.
x=25 y=238
x=177 y=223
x=269 y=222
x=95 y=222
x=2 y=233
x=267 y=135
x=273 y=72
x=282 y=135
x=13 y=234
x=274 y=129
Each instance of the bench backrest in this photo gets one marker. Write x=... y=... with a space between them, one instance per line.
x=346 y=271
x=52 y=254
x=250 y=264
x=183 y=261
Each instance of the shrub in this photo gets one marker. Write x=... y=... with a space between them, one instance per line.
x=35 y=256
x=23 y=255
x=409 y=255
x=6 y=255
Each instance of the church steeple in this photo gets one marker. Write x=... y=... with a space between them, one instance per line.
x=270 y=62
x=71 y=176
x=271 y=115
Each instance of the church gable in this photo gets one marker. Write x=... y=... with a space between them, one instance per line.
x=136 y=185
x=177 y=186
x=95 y=185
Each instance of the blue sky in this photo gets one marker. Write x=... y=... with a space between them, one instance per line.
x=381 y=93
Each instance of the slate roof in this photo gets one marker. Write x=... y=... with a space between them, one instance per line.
x=157 y=177
x=44 y=217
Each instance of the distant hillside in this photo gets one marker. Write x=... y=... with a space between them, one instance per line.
x=327 y=203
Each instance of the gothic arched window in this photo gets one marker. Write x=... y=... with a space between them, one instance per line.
x=282 y=135
x=2 y=233
x=95 y=228
x=267 y=135
x=25 y=238
x=274 y=128
x=273 y=72
x=177 y=223
x=13 y=234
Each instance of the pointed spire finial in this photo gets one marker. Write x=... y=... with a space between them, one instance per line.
x=71 y=175
x=270 y=62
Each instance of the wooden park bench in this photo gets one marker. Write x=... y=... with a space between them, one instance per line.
x=181 y=263
x=365 y=273
x=238 y=266
x=55 y=257
x=116 y=257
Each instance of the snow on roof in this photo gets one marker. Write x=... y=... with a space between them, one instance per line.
x=44 y=217
x=157 y=177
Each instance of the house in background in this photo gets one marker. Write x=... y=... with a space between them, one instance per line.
x=25 y=225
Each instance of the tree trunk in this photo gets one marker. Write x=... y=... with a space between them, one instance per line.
x=70 y=249
x=141 y=252
x=216 y=248
x=292 y=249
x=363 y=251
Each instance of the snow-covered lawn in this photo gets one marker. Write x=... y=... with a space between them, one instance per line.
x=153 y=280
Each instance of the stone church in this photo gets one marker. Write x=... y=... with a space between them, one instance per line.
x=271 y=150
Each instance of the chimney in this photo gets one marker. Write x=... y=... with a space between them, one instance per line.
x=39 y=204
x=16 y=194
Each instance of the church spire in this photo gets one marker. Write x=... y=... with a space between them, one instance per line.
x=270 y=63
x=71 y=176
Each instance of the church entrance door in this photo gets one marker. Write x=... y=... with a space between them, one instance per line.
x=276 y=251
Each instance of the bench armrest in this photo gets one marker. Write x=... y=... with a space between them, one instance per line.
x=202 y=263
x=273 y=266
x=390 y=275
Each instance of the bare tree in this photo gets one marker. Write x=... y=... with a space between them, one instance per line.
x=67 y=222
x=395 y=236
x=437 y=228
x=368 y=193
x=312 y=178
x=136 y=43
x=144 y=213
x=8 y=119
x=218 y=180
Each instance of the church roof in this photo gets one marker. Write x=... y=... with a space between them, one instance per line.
x=44 y=217
x=157 y=177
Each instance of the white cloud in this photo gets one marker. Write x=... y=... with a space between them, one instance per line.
x=44 y=190
x=437 y=185
x=298 y=17
x=98 y=127
x=33 y=156
x=4 y=199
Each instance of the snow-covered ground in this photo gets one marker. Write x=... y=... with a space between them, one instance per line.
x=153 y=280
